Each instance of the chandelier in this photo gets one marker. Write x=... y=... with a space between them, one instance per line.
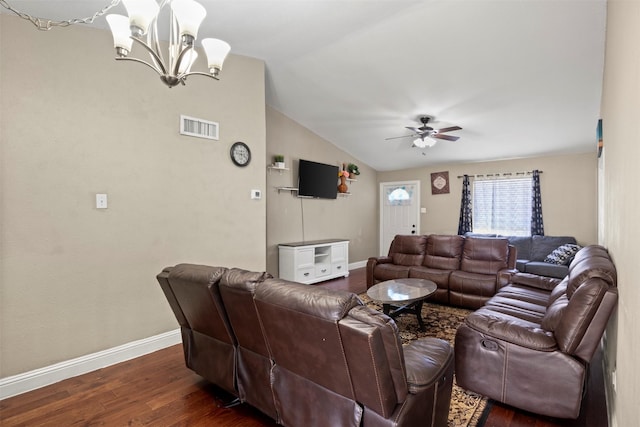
x=141 y=26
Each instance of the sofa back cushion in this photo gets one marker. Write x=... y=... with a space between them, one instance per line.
x=208 y=340
x=484 y=255
x=237 y=288
x=306 y=318
x=590 y=262
x=522 y=245
x=408 y=249
x=443 y=252
x=541 y=246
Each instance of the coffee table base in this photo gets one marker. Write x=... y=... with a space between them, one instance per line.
x=411 y=308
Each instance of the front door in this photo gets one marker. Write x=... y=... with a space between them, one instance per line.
x=399 y=211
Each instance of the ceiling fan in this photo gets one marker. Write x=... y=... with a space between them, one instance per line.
x=431 y=134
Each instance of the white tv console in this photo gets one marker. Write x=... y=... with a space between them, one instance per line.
x=314 y=261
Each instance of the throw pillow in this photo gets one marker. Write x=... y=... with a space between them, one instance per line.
x=562 y=255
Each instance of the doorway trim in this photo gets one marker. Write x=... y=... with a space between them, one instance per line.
x=383 y=250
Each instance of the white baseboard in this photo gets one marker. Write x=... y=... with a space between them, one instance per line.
x=22 y=383
x=359 y=264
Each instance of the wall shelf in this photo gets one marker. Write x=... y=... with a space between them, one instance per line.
x=272 y=167
x=290 y=189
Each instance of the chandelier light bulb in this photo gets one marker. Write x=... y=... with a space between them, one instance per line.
x=121 y=33
x=190 y=15
x=141 y=15
x=217 y=51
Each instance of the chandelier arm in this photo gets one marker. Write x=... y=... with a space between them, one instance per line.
x=154 y=55
x=154 y=68
x=153 y=34
x=198 y=73
x=176 y=66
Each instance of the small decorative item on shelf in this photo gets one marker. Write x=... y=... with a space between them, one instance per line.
x=343 y=175
x=278 y=161
x=353 y=170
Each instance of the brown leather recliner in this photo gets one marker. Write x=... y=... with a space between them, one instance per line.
x=339 y=363
x=208 y=341
x=405 y=251
x=306 y=355
x=442 y=257
x=531 y=344
x=237 y=288
x=479 y=277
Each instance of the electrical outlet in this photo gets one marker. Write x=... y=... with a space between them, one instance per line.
x=613 y=380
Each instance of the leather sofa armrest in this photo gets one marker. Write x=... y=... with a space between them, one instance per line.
x=510 y=329
x=426 y=361
x=371 y=265
x=504 y=276
x=535 y=281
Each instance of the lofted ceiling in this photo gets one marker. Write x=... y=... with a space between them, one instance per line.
x=522 y=78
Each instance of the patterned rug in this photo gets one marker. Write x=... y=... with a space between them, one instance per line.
x=441 y=322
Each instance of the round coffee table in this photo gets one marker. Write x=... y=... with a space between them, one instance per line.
x=402 y=296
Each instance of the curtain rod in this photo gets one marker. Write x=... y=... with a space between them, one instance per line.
x=491 y=175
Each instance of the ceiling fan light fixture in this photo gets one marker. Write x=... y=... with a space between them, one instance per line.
x=424 y=142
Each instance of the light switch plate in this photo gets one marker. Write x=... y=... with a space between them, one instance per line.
x=256 y=194
x=101 y=201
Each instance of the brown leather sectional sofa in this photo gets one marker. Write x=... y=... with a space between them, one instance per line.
x=467 y=270
x=531 y=344
x=305 y=355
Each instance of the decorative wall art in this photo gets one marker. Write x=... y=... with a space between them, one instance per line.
x=440 y=183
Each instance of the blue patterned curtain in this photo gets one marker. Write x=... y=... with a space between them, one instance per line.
x=537 y=227
x=466 y=222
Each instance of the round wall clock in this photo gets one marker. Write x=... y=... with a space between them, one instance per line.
x=240 y=154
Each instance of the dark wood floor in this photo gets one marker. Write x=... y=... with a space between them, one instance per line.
x=157 y=389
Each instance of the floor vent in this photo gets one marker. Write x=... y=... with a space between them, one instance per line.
x=198 y=127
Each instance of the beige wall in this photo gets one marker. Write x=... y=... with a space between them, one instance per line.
x=621 y=210
x=74 y=122
x=568 y=186
x=354 y=217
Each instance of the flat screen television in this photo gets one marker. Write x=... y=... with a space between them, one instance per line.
x=317 y=180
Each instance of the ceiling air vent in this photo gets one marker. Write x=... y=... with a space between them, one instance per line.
x=198 y=127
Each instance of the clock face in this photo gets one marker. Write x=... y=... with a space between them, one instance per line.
x=240 y=154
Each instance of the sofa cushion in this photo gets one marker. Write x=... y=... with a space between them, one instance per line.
x=541 y=246
x=484 y=255
x=384 y=272
x=542 y=268
x=408 y=250
x=563 y=254
x=522 y=244
x=443 y=252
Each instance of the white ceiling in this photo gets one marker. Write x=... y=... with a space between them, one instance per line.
x=521 y=77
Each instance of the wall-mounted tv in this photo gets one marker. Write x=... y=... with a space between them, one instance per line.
x=317 y=180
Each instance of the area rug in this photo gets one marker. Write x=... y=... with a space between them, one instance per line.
x=441 y=322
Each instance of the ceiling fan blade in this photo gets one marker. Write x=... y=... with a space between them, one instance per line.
x=449 y=129
x=397 y=137
x=445 y=137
